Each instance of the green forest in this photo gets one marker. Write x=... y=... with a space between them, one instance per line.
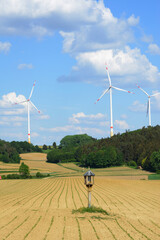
x=132 y=148
x=9 y=152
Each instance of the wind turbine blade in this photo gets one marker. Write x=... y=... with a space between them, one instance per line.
x=107 y=90
x=109 y=79
x=34 y=106
x=143 y=90
x=20 y=102
x=155 y=94
x=119 y=89
x=32 y=90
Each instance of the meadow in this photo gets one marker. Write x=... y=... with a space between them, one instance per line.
x=42 y=208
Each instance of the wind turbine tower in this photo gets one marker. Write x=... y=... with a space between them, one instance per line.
x=148 y=103
x=29 y=103
x=110 y=91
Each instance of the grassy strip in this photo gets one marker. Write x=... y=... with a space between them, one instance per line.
x=79 y=230
x=66 y=196
x=74 y=169
x=139 y=231
x=92 y=209
x=61 y=192
x=73 y=197
x=52 y=220
x=124 y=230
x=64 y=228
x=94 y=229
x=155 y=224
x=109 y=230
x=148 y=228
x=50 y=192
x=17 y=227
x=8 y=171
x=154 y=177
x=57 y=185
x=8 y=223
x=78 y=194
x=33 y=227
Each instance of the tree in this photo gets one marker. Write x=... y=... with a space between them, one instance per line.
x=69 y=142
x=44 y=147
x=155 y=161
x=54 y=145
x=24 y=170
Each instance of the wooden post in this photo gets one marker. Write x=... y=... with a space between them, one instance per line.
x=89 y=196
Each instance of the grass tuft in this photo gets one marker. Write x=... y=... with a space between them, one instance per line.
x=92 y=209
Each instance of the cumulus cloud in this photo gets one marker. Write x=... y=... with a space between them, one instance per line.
x=156 y=100
x=125 y=66
x=25 y=66
x=11 y=104
x=5 y=47
x=121 y=124
x=133 y=21
x=154 y=49
x=138 y=107
x=82 y=117
x=10 y=99
x=72 y=129
x=38 y=17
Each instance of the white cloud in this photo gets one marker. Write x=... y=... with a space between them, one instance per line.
x=38 y=17
x=138 y=107
x=154 y=49
x=121 y=124
x=5 y=47
x=10 y=99
x=72 y=129
x=147 y=38
x=103 y=34
x=79 y=22
x=125 y=66
x=34 y=134
x=133 y=21
x=11 y=104
x=124 y=116
x=25 y=66
x=79 y=117
x=156 y=101
x=42 y=116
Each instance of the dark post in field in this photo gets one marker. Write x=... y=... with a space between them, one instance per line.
x=89 y=181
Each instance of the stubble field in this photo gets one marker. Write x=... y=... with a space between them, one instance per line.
x=42 y=209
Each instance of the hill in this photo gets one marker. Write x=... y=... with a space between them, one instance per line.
x=132 y=148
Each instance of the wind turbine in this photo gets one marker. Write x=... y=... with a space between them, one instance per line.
x=110 y=91
x=28 y=101
x=148 y=103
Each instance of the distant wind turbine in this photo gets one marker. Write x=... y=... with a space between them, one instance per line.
x=110 y=90
x=148 y=103
x=28 y=101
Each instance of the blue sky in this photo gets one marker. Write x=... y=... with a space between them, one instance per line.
x=64 y=46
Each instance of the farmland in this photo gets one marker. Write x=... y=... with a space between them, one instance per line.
x=42 y=208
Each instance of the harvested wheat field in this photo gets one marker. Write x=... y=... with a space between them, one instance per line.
x=42 y=209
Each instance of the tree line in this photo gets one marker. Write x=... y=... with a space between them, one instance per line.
x=9 y=151
x=133 y=148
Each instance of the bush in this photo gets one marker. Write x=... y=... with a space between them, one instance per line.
x=44 y=147
x=132 y=164
x=13 y=176
x=39 y=175
x=24 y=170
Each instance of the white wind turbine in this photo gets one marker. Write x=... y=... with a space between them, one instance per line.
x=28 y=101
x=110 y=90
x=148 y=103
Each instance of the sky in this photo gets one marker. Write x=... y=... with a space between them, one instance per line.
x=65 y=46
